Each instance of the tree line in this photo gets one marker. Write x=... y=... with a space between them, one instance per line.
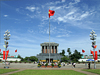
x=70 y=57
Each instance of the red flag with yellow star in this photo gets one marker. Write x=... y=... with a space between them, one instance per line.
x=51 y=13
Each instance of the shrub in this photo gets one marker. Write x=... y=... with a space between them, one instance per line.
x=10 y=61
x=59 y=64
x=39 y=64
x=52 y=64
x=46 y=64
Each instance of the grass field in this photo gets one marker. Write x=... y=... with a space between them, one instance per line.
x=7 y=70
x=97 y=71
x=48 y=72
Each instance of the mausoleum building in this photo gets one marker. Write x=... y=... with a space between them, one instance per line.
x=45 y=50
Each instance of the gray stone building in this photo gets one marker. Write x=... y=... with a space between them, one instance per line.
x=44 y=55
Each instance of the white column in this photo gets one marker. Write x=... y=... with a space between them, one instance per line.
x=54 y=49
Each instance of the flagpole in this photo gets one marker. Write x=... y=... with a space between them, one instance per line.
x=49 y=41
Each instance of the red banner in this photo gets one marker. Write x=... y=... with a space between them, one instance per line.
x=3 y=55
x=96 y=55
x=7 y=54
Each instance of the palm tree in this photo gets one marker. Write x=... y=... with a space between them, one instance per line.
x=69 y=52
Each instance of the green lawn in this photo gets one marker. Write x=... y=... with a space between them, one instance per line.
x=7 y=70
x=97 y=71
x=48 y=72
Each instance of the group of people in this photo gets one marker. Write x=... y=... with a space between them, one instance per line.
x=63 y=63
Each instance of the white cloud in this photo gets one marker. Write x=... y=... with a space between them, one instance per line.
x=77 y=1
x=5 y=15
x=66 y=35
x=85 y=15
x=63 y=0
x=31 y=8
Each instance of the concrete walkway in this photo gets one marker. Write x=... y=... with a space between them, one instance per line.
x=75 y=69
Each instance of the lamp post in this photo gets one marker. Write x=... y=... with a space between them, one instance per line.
x=6 y=37
x=93 y=35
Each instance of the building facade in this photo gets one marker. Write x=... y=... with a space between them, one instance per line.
x=46 y=49
x=10 y=58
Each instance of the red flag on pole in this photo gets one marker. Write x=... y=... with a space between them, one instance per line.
x=83 y=50
x=3 y=55
x=7 y=54
x=92 y=53
x=51 y=13
x=0 y=50
x=99 y=50
x=96 y=55
x=16 y=50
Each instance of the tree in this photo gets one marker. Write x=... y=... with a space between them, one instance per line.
x=20 y=57
x=26 y=58
x=64 y=59
x=33 y=58
x=62 y=53
x=75 y=56
x=1 y=54
x=69 y=52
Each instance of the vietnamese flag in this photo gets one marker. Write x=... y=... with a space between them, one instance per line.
x=0 y=50
x=51 y=13
x=83 y=50
x=16 y=50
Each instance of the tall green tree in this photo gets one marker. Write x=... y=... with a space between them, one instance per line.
x=33 y=58
x=64 y=59
x=75 y=56
x=63 y=52
x=69 y=52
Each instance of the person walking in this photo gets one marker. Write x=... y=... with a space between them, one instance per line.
x=74 y=64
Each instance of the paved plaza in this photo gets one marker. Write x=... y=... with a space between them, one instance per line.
x=32 y=66
x=24 y=66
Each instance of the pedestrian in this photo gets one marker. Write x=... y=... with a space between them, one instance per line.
x=74 y=65
x=64 y=63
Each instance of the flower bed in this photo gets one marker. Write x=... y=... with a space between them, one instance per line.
x=49 y=66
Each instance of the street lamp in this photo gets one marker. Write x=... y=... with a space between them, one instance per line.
x=6 y=37
x=93 y=35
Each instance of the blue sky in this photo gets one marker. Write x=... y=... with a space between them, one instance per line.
x=28 y=23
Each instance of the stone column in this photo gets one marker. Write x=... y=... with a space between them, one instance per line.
x=41 y=49
x=44 y=49
x=54 y=49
